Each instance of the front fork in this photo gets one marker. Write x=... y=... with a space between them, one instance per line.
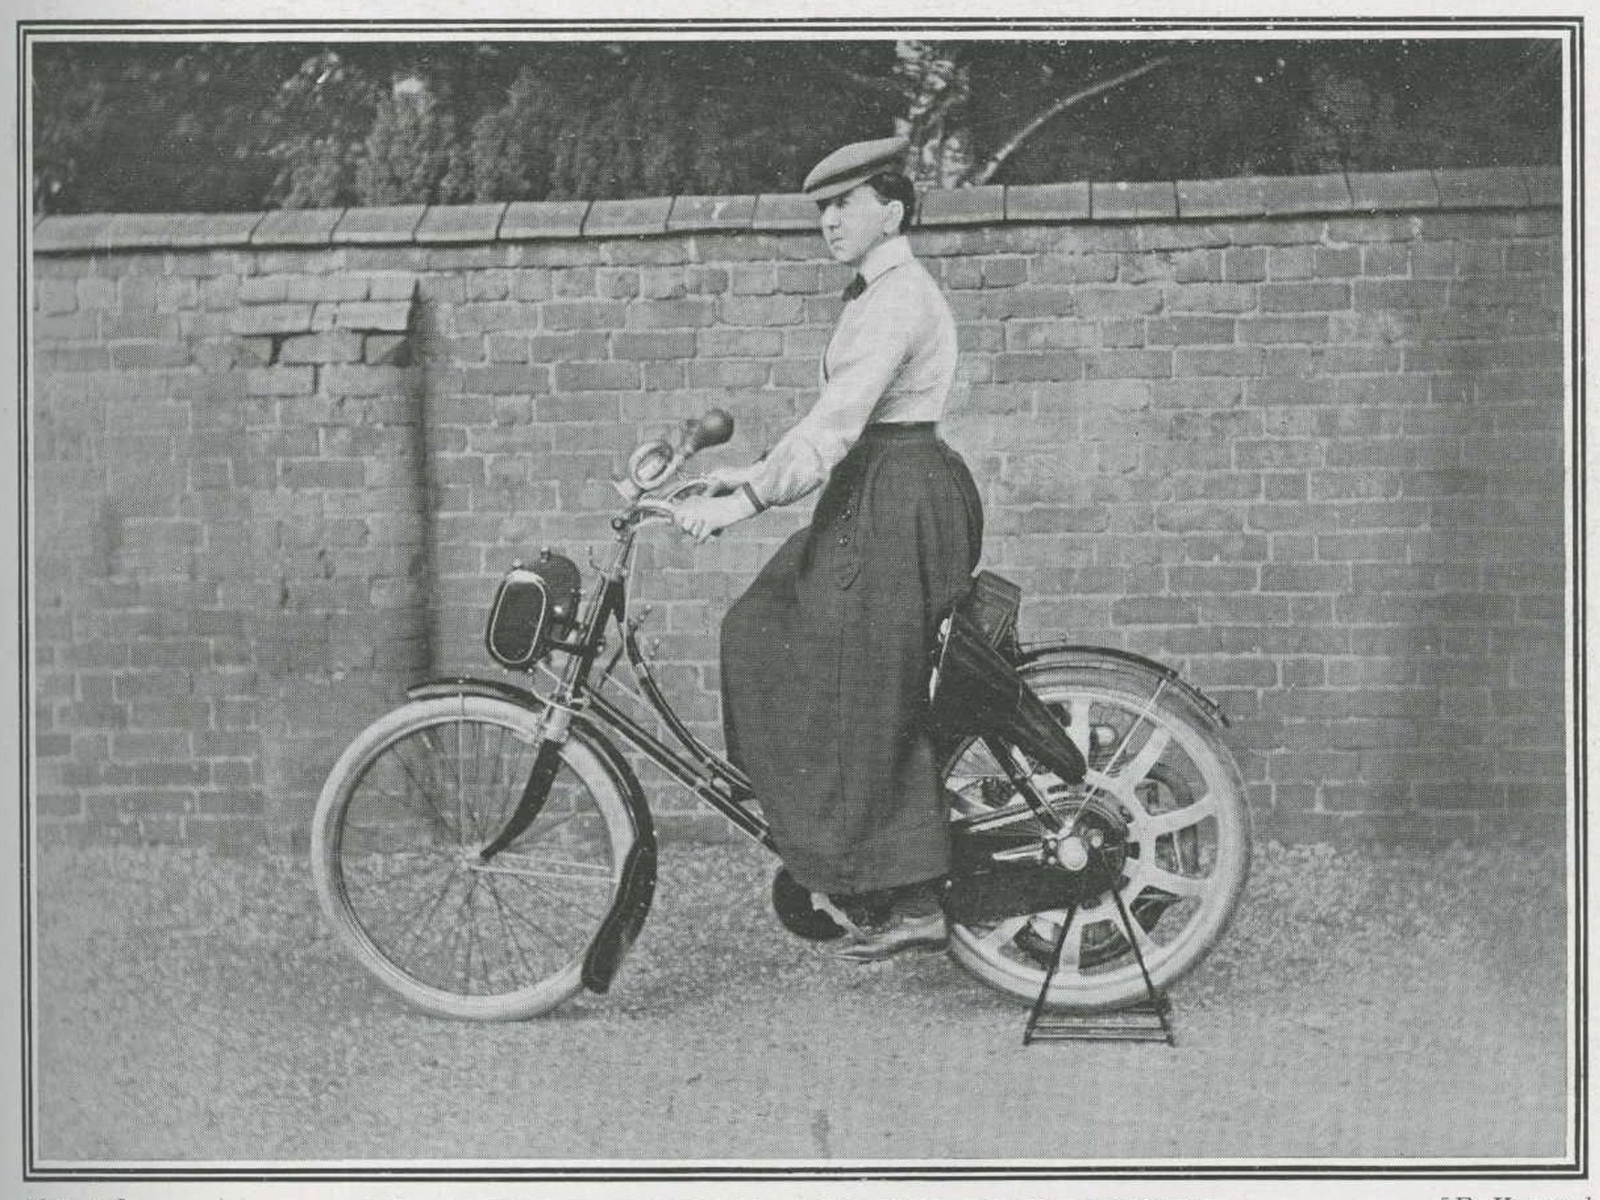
x=556 y=725
x=637 y=883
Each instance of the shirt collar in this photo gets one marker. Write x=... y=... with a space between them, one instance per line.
x=885 y=255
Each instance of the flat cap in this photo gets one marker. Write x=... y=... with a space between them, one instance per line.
x=856 y=163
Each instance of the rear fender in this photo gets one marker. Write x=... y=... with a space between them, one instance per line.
x=621 y=925
x=1136 y=669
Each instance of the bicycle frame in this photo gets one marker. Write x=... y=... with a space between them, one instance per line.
x=690 y=762
x=1053 y=838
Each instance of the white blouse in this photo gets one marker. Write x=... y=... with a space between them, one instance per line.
x=892 y=359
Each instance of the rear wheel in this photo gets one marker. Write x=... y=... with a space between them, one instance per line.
x=1178 y=832
x=394 y=851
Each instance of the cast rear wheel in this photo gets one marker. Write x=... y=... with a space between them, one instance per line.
x=1177 y=832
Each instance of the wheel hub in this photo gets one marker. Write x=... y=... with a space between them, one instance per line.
x=1094 y=851
x=1070 y=853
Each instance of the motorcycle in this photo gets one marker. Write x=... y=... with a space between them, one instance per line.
x=485 y=850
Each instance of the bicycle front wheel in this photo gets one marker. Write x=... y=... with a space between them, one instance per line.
x=394 y=851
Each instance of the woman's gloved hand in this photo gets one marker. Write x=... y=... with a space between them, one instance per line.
x=704 y=516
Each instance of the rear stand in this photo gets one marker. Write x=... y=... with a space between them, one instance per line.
x=1145 y=1021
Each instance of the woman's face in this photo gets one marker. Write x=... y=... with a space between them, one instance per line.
x=857 y=221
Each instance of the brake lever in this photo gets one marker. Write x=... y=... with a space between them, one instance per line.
x=661 y=506
x=699 y=486
x=654 y=508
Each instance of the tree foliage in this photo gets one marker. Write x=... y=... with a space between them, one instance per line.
x=1269 y=107
x=142 y=126
x=119 y=128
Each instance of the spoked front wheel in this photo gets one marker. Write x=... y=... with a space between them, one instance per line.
x=1175 y=830
x=395 y=854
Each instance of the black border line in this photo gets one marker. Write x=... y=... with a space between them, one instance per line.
x=1571 y=28
x=1577 y=213
x=24 y=601
x=1389 y=27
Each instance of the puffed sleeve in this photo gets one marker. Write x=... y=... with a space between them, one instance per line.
x=866 y=354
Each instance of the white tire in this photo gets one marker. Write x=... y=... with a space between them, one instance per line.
x=394 y=847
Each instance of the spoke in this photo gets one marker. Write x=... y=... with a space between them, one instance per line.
x=461 y=930
x=1147 y=944
x=558 y=897
x=484 y=789
x=469 y=935
x=1079 y=729
x=1169 y=881
x=437 y=755
x=505 y=923
x=544 y=824
x=508 y=768
x=970 y=796
x=960 y=784
x=1149 y=754
x=1002 y=933
x=440 y=768
x=461 y=778
x=408 y=915
x=580 y=872
x=405 y=870
x=436 y=812
x=416 y=929
x=1072 y=948
x=1111 y=788
x=975 y=763
x=1151 y=827
x=529 y=923
x=502 y=780
x=383 y=833
x=471 y=782
x=473 y=940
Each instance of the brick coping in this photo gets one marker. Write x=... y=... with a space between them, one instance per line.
x=1054 y=203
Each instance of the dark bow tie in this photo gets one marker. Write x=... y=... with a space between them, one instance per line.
x=854 y=288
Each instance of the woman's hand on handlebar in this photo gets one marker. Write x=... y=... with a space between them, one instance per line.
x=702 y=517
x=722 y=480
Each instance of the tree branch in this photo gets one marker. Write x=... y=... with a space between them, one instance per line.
x=934 y=114
x=986 y=172
x=867 y=83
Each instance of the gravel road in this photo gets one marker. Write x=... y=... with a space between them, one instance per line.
x=191 y=1007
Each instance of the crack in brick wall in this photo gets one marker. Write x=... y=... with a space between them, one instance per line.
x=1308 y=452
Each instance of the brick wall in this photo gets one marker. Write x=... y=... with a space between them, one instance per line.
x=1302 y=438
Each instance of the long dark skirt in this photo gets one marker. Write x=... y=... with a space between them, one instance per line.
x=825 y=664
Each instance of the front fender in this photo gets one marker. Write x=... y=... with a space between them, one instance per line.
x=636 y=891
x=456 y=685
x=1146 y=672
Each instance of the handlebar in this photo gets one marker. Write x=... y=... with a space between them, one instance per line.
x=647 y=510
x=652 y=464
x=659 y=507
